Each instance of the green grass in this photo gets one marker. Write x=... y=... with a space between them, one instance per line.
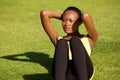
x=26 y=52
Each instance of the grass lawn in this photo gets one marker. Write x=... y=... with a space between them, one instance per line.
x=26 y=52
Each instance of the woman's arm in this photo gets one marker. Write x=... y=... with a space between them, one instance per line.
x=93 y=35
x=46 y=15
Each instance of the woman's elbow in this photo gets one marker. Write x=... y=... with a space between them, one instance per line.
x=95 y=36
x=43 y=12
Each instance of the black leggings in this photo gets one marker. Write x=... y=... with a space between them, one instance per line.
x=79 y=68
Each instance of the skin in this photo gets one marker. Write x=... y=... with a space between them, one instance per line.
x=70 y=25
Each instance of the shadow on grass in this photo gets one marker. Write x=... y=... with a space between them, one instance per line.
x=36 y=57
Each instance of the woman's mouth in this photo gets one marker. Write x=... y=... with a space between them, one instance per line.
x=66 y=29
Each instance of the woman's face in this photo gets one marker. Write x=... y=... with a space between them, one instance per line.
x=70 y=22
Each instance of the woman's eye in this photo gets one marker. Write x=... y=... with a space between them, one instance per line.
x=71 y=20
x=63 y=20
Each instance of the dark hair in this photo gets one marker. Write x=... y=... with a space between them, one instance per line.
x=75 y=9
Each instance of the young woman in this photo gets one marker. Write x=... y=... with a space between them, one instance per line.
x=71 y=59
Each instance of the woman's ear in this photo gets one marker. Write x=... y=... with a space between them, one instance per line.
x=79 y=21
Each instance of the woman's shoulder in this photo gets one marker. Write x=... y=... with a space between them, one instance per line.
x=87 y=39
x=59 y=37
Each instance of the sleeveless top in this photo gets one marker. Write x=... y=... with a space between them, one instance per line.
x=86 y=44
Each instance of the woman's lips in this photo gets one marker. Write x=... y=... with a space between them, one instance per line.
x=66 y=29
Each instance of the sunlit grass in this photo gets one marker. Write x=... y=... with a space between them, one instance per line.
x=26 y=52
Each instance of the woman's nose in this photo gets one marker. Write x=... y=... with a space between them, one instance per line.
x=66 y=22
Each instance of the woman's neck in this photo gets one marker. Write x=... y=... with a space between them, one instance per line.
x=69 y=36
x=74 y=34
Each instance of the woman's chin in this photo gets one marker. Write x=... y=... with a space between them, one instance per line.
x=67 y=32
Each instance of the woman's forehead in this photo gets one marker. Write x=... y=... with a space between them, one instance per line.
x=70 y=13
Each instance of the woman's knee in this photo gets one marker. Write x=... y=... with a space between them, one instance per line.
x=75 y=40
x=62 y=45
x=62 y=42
x=76 y=44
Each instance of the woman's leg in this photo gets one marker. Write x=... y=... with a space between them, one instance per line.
x=60 y=62
x=81 y=60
